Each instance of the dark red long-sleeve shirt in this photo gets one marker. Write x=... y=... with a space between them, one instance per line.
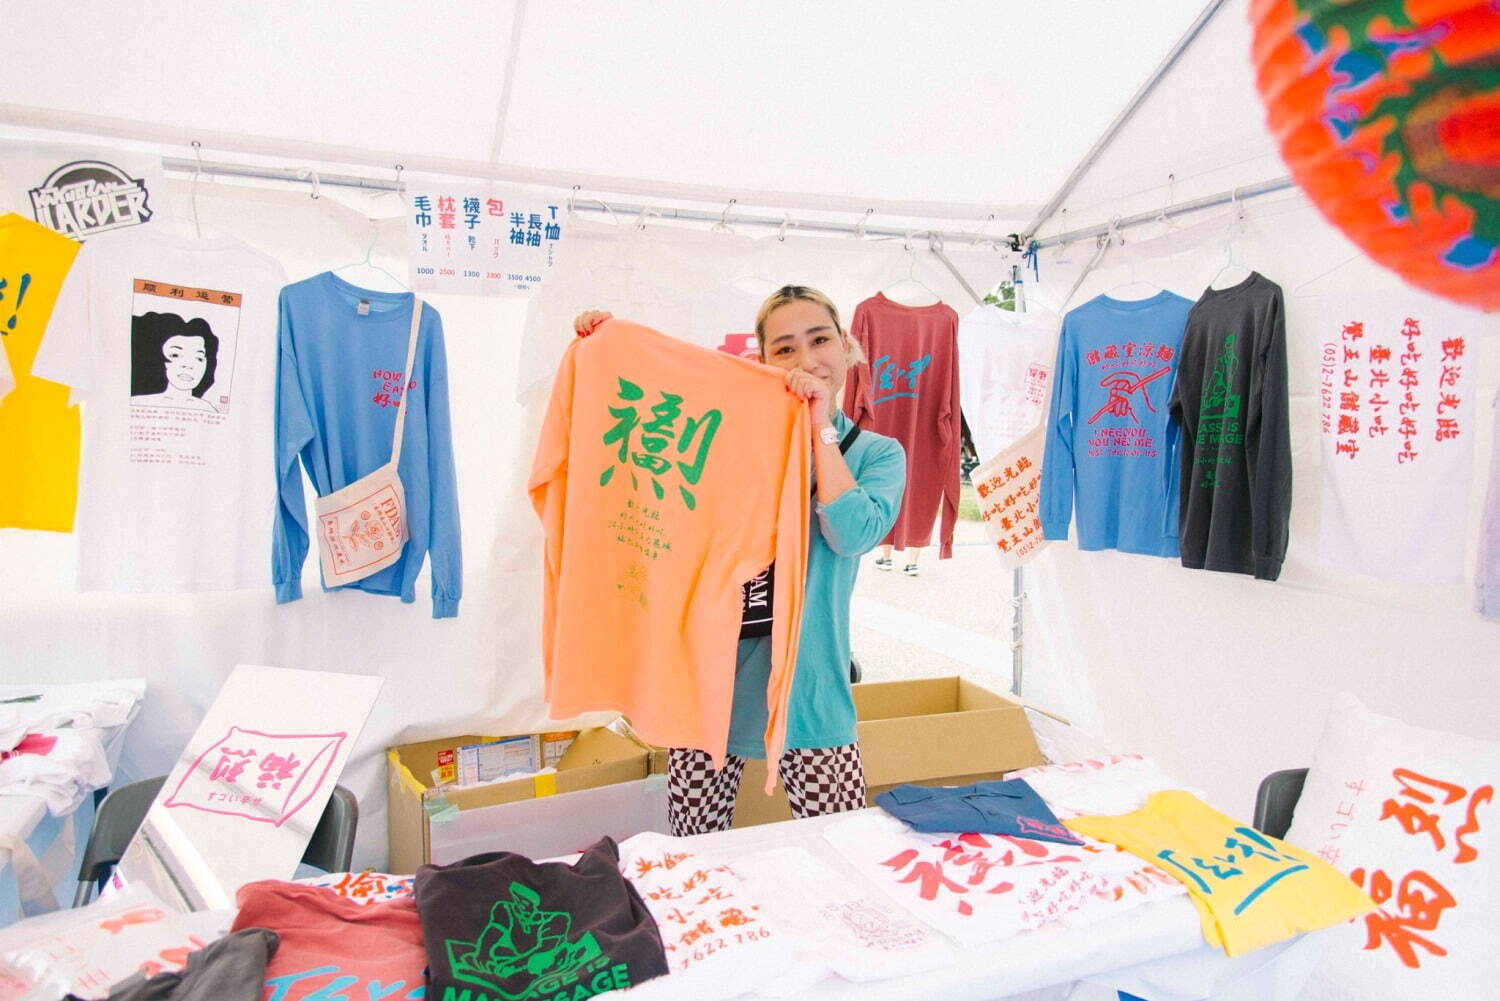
x=908 y=389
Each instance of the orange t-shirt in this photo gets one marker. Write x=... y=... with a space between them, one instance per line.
x=666 y=476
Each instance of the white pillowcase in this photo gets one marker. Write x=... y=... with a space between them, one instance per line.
x=1411 y=815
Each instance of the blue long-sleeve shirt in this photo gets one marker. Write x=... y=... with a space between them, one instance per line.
x=1110 y=439
x=820 y=712
x=339 y=381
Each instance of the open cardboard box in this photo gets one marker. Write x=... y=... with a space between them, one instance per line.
x=606 y=783
x=932 y=731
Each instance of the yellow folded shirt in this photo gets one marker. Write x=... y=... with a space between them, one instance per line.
x=1251 y=890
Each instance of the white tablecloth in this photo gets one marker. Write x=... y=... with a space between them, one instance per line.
x=39 y=880
x=1156 y=950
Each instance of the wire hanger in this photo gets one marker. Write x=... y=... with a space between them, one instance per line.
x=1168 y=223
x=365 y=262
x=722 y=226
x=1137 y=287
x=1233 y=272
x=191 y=222
x=911 y=276
x=193 y=196
x=859 y=230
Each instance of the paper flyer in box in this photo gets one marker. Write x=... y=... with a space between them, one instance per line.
x=250 y=787
x=495 y=759
x=1010 y=488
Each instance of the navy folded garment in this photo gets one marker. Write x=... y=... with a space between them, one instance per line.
x=1011 y=807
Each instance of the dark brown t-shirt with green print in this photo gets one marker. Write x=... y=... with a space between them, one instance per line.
x=500 y=927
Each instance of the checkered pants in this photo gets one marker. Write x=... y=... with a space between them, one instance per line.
x=817 y=780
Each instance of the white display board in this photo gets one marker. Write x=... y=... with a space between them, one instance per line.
x=250 y=787
x=475 y=239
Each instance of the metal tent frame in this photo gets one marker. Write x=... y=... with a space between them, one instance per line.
x=1024 y=240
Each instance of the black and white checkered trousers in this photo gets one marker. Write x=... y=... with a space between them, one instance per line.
x=817 y=780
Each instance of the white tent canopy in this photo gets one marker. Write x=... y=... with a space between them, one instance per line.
x=966 y=110
x=965 y=116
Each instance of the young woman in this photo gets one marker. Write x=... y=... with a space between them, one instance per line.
x=859 y=478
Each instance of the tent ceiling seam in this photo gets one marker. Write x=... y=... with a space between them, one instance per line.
x=1122 y=119
x=517 y=26
x=301 y=151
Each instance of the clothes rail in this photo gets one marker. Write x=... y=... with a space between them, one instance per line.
x=1240 y=193
x=300 y=176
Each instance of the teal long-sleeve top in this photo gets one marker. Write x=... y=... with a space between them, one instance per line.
x=821 y=710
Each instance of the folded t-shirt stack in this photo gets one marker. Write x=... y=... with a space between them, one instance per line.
x=1010 y=807
x=501 y=926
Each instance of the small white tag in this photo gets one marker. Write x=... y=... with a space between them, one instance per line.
x=364 y=307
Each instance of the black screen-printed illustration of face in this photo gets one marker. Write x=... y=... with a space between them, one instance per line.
x=186 y=359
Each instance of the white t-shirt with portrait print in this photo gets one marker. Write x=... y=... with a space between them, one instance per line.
x=170 y=343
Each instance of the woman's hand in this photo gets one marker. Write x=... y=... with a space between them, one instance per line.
x=815 y=391
x=589 y=320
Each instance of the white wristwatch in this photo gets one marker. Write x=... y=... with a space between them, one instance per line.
x=828 y=434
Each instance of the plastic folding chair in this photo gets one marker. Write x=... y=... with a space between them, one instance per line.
x=1276 y=799
x=120 y=815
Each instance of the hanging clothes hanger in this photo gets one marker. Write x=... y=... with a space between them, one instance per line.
x=911 y=277
x=1233 y=272
x=1134 y=288
x=189 y=224
x=365 y=261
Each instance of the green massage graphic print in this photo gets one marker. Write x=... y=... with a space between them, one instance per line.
x=1219 y=417
x=526 y=953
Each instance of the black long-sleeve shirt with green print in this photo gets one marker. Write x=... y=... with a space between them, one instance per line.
x=1230 y=399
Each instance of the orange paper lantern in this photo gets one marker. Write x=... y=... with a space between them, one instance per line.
x=1388 y=115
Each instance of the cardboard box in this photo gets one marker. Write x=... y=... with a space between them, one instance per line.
x=932 y=731
x=540 y=816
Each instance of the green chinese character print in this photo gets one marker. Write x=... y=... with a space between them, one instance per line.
x=709 y=424
x=523 y=952
x=626 y=419
x=655 y=439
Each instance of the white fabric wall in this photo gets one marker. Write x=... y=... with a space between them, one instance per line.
x=478 y=673
x=1223 y=678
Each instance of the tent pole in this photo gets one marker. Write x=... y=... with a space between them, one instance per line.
x=1128 y=112
x=937 y=251
x=517 y=25
x=1242 y=192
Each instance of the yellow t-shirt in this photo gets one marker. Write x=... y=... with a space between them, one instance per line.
x=1251 y=889
x=39 y=431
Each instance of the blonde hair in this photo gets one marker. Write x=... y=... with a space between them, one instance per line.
x=802 y=293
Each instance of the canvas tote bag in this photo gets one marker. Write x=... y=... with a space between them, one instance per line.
x=362 y=528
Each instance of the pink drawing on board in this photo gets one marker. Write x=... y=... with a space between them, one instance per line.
x=265 y=777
